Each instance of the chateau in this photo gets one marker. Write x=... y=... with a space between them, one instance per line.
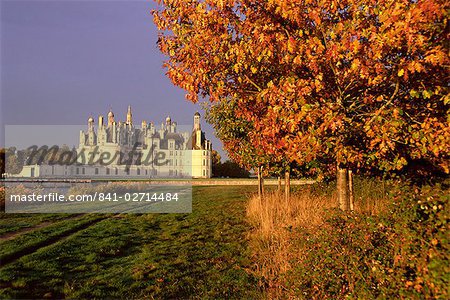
x=110 y=148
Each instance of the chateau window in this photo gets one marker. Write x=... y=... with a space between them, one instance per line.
x=96 y=171
x=204 y=172
x=146 y=172
x=83 y=171
x=138 y=171
x=107 y=171
x=117 y=171
x=171 y=153
x=204 y=161
x=78 y=171
x=204 y=152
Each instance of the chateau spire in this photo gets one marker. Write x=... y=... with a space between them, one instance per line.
x=91 y=123
x=110 y=117
x=129 y=116
x=197 y=121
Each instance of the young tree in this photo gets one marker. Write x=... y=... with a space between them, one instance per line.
x=235 y=133
x=345 y=84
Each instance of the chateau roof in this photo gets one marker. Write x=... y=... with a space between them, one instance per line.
x=192 y=141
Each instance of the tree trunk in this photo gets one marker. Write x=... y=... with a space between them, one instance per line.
x=342 y=189
x=287 y=185
x=350 y=190
x=260 y=183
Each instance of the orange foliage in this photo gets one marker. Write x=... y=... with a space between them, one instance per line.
x=361 y=83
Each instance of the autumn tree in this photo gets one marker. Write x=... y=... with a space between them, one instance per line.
x=236 y=133
x=358 y=85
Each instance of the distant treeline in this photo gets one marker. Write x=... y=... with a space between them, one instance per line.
x=227 y=168
x=12 y=160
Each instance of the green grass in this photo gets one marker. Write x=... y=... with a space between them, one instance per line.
x=202 y=255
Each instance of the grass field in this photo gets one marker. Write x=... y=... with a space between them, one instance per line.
x=235 y=245
x=199 y=255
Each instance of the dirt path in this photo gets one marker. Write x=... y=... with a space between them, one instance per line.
x=12 y=235
x=33 y=248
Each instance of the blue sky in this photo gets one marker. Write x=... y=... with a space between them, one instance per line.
x=62 y=61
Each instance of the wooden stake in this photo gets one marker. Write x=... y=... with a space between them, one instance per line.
x=342 y=189
x=260 y=183
x=279 y=186
x=350 y=190
x=287 y=185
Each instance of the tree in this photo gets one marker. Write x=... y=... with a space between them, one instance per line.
x=12 y=163
x=215 y=163
x=353 y=84
x=236 y=135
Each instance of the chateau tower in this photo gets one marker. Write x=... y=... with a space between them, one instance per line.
x=100 y=121
x=114 y=132
x=169 y=124
x=91 y=124
x=129 y=116
x=91 y=132
x=110 y=117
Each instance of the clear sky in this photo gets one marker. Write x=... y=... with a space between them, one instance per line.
x=62 y=61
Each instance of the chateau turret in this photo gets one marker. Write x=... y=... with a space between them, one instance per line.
x=110 y=118
x=197 y=121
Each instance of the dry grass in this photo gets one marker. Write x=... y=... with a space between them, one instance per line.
x=275 y=221
x=274 y=211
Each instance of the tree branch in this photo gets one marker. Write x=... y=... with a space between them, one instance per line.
x=397 y=86
x=253 y=83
